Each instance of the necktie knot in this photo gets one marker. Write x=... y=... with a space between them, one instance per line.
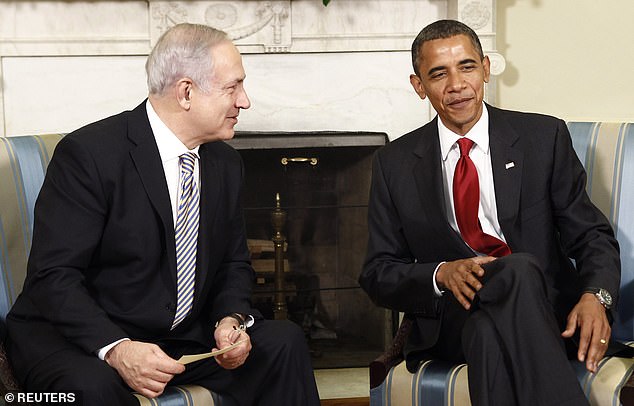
x=465 y=145
x=187 y=163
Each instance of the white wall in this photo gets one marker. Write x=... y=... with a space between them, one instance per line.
x=569 y=58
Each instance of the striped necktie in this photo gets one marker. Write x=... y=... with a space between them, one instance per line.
x=466 y=195
x=186 y=237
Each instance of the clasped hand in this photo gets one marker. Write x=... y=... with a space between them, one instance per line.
x=462 y=278
x=143 y=366
x=146 y=369
x=227 y=334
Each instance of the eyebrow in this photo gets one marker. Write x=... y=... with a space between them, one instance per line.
x=440 y=68
x=234 y=82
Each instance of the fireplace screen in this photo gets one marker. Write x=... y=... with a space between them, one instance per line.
x=322 y=180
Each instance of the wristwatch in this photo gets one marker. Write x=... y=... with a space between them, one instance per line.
x=602 y=295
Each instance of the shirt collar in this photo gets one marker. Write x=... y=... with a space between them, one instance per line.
x=479 y=134
x=169 y=146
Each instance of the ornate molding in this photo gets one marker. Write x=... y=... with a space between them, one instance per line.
x=262 y=26
x=498 y=63
x=166 y=15
x=476 y=14
x=257 y=26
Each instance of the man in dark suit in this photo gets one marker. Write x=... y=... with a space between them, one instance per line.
x=100 y=312
x=473 y=219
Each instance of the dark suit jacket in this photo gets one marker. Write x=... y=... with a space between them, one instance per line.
x=543 y=209
x=103 y=261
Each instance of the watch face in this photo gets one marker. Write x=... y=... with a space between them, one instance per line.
x=605 y=297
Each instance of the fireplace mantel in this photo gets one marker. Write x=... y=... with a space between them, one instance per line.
x=309 y=67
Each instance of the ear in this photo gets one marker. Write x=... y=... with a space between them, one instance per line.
x=486 y=65
x=184 y=92
x=417 y=84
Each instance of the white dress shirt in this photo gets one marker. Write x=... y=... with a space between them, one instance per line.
x=170 y=149
x=481 y=157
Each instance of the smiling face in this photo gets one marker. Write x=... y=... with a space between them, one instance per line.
x=452 y=76
x=215 y=112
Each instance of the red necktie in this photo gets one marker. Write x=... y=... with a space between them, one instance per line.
x=466 y=197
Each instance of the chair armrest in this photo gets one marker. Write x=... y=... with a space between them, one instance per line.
x=380 y=367
x=627 y=392
x=8 y=382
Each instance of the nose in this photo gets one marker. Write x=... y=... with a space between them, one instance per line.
x=456 y=81
x=243 y=101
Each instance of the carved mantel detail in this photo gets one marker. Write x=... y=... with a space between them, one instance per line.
x=263 y=26
x=476 y=14
x=167 y=14
x=257 y=26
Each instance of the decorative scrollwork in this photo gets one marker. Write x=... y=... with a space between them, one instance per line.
x=266 y=13
x=498 y=63
x=168 y=15
x=475 y=14
x=221 y=16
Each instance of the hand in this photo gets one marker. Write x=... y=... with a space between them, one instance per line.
x=143 y=366
x=590 y=316
x=226 y=334
x=462 y=277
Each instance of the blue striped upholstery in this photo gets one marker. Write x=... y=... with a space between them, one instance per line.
x=23 y=162
x=607 y=152
x=183 y=395
x=438 y=383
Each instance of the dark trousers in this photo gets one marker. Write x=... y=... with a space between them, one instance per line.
x=510 y=339
x=278 y=372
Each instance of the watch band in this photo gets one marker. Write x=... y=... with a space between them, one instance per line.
x=236 y=316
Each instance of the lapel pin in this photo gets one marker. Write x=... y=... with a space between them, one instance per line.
x=510 y=165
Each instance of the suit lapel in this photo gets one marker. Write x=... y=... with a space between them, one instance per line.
x=507 y=161
x=148 y=163
x=429 y=182
x=210 y=192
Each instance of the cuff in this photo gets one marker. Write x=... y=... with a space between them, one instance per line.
x=436 y=289
x=103 y=351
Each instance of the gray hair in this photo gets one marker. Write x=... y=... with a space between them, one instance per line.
x=439 y=30
x=182 y=51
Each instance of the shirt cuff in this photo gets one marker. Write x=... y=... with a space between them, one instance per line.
x=103 y=351
x=436 y=289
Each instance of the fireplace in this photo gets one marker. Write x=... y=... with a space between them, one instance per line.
x=322 y=179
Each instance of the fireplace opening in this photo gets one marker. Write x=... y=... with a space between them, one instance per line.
x=323 y=180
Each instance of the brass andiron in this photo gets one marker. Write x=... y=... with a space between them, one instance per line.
x=278 y=220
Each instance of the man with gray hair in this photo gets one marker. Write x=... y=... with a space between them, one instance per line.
x=139 y=251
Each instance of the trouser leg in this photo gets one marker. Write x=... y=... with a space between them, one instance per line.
x=490 y=380
x=91 y=380
x=277 y=372
x=528 y=337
